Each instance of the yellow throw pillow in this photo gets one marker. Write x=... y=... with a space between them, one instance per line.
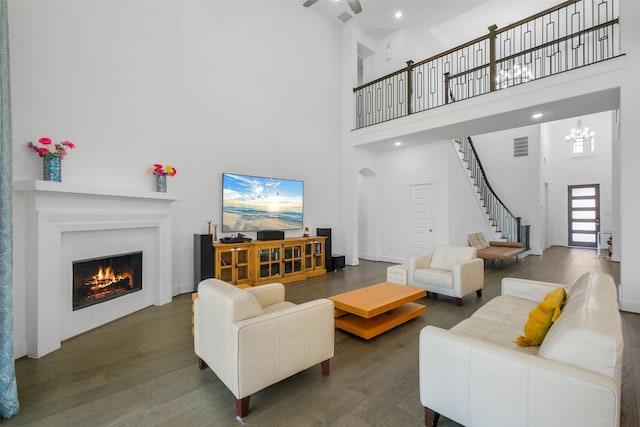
x=541 y=318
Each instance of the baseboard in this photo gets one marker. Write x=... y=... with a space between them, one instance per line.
x=630 y=306
x=182 y=289
x=392 y=260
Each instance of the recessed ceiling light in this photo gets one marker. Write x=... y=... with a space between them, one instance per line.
x=536 y=116
x=398 y=15
x=398 y=143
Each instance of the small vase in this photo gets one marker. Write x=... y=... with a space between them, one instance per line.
x=161 y=183
x=52 y=169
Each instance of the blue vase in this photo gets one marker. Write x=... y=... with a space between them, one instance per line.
x=52 y=169
x=161 y=183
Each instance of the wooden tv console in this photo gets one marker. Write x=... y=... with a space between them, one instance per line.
x=267 y=261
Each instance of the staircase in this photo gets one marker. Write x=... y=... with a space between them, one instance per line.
x=504 y=223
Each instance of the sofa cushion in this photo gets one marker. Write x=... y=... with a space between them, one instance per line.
x=590 y=320
x=541 y=318
x=507 y=310
x=497 y=333
x=436 y=278
x=445 y=257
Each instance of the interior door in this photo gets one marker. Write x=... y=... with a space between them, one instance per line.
x=584 y=215
x=422 y=223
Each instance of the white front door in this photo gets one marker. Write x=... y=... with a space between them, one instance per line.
x=422 y=208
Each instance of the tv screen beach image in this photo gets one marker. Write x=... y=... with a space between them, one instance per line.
x=252 y=203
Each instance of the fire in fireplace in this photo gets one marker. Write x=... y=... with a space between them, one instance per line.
x=101 y=279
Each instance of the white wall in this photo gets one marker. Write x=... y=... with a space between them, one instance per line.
x=515 y=179
x=626 y=163
x=566 y=170
x=208 y=87
x=466 y=211
x=385 y=198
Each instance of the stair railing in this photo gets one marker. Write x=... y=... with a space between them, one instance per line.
x=505 y=222
x=565 y=37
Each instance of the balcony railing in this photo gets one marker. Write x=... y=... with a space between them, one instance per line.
x=570 y=35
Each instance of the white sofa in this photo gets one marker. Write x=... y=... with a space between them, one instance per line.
x=252 y=338
x=476 y=375
x=455 y=271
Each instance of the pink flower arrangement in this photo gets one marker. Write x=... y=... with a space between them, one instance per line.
x=160 y=170
x=59 y=149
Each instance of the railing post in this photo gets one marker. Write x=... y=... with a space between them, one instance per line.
x=409 y=86
x=492 y=58
x=518 y=237
x=446 y=88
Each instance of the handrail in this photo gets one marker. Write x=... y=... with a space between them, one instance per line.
x=538 y=15
x=495 y=61
x=484 y=175
x=502 y=218
x=542 y=46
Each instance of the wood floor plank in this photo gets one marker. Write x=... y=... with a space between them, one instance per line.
x=141 y=370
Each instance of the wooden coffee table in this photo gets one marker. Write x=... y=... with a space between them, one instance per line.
x=367 y=312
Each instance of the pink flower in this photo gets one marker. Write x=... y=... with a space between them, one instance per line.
x=48 y=151
x=160 y=170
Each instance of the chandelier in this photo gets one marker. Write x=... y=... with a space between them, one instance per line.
x=581 y=138
x=511 y=76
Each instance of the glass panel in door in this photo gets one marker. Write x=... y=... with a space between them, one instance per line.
x=584 y=215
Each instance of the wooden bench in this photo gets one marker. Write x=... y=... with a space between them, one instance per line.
x=495 y=250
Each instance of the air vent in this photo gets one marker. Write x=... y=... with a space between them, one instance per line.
x=521 y=146
x=344 y=17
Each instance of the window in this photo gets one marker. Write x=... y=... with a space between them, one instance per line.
x=584 y=145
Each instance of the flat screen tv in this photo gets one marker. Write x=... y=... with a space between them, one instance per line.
x=255 y=203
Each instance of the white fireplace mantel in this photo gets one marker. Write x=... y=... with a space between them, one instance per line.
x=54 y=209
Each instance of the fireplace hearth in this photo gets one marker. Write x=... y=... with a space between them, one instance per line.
x=102 y=279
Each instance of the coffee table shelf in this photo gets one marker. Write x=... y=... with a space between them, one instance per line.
x=368 y=312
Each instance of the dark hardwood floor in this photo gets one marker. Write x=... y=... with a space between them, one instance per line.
x=141 y=370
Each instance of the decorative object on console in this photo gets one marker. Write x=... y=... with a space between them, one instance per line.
x=161 y=173
x=306 y=232
x=51 y=160
x=270 y=235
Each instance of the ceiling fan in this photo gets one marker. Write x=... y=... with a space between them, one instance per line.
x=353 y=4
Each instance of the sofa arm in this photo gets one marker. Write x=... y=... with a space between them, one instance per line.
x=415 y=263
x=474 y=382
x=268 y=294
x=468 y=276
x=279 y=344
x=532 y=290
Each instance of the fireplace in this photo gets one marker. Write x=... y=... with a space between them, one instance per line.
x=98 y=280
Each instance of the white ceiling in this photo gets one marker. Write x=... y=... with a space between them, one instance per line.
x=435 y=24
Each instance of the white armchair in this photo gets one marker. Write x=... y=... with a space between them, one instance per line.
x=454 y=271
x=252 y=338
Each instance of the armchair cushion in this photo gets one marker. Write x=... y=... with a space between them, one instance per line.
x=477 y=241
x=446 y=257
